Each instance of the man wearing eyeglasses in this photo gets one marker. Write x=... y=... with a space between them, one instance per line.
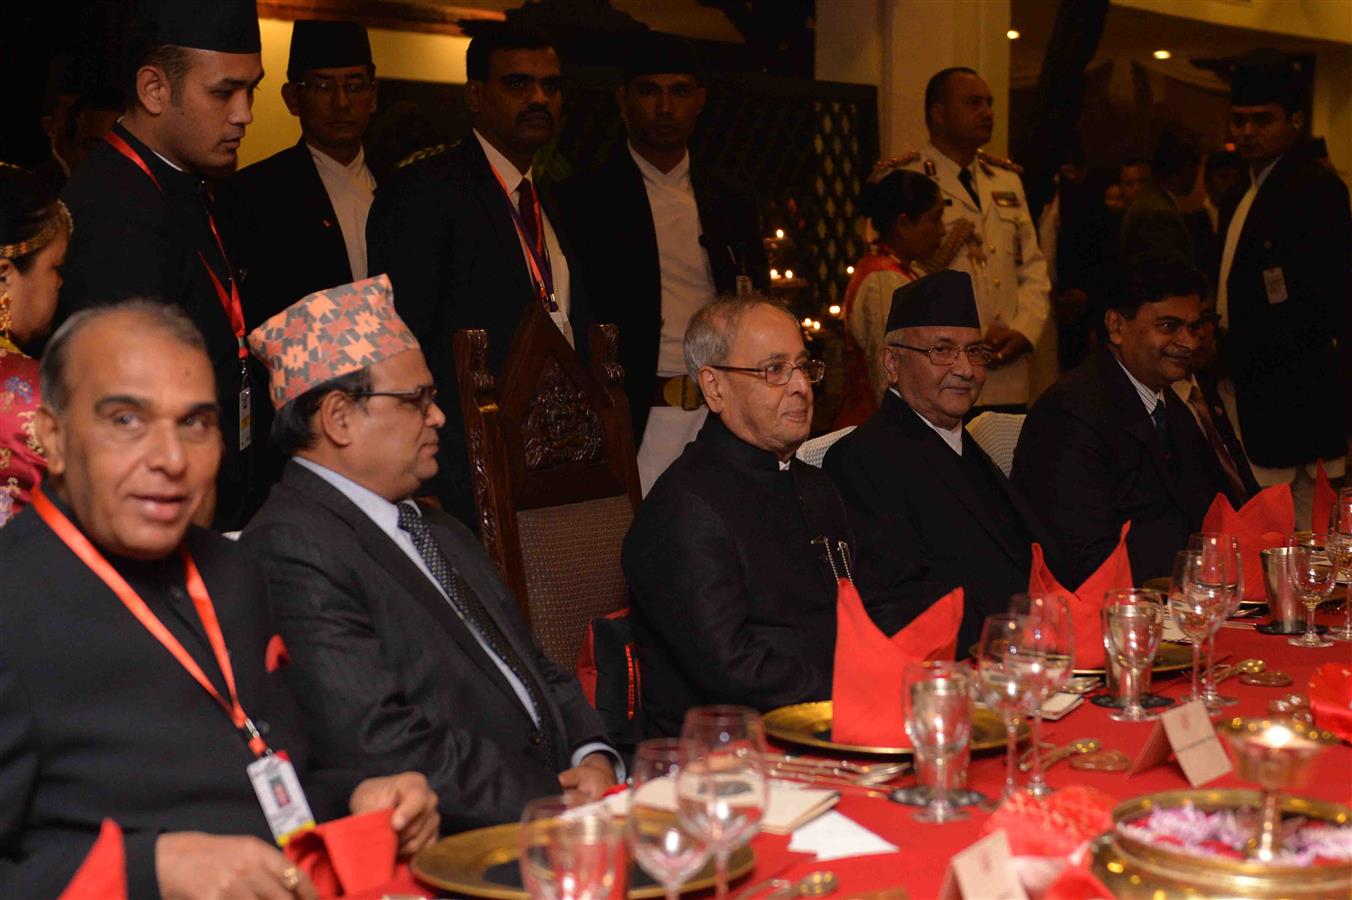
x=931 y=510
x=406 y=649
x=732 y=600
x=1111 y=442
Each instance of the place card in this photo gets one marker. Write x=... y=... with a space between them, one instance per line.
x=983 y=871
x=1186 y=732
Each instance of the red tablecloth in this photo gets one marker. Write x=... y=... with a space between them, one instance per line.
x=922 y=859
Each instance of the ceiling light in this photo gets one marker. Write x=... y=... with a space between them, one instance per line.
x=1162 y=54
x=1012 y=34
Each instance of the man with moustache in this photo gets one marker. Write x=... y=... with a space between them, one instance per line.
x=1111 y=442
x=145 y=212
x=732 y=600
x=467 y=238
x=931 y=510
x=138 y=680
x=407 y=651
x=659 y=235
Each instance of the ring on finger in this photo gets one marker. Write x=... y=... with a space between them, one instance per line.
x=291 y=878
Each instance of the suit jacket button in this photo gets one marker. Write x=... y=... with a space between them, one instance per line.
x=535 y=736
x=997 y=282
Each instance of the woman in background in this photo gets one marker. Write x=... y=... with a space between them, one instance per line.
x=35 y=228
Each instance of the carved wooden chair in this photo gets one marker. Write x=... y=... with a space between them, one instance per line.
x=551 y=454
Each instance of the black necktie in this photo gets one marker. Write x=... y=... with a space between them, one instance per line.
x=525 y=204
x=965 y=176
x=1161 y=421
x=471 y=609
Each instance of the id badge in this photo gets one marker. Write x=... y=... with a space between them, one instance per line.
x=1275 y=282
x=743 y=286
x=245 y=417
x=281 y=796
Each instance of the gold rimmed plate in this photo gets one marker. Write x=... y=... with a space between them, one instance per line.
x=1172 y=657
x=809 y=725
x=485 y=862
x=1162 y=586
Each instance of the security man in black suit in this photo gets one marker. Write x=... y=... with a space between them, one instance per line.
x=931 y=510
x=658 y=235
x=1285 y=285
x=1110 y=441
x=468 y=239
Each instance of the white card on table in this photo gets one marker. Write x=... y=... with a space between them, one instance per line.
x=984 y=871
x=1188 y=732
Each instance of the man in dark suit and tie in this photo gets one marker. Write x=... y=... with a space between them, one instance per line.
x=931 y=510
x=467 y=239
x=1110 y=441
x=407 y=651
x=659 y=235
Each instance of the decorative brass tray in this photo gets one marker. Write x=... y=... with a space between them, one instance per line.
x=809 y=725
x=484 y=863
x=1134 y=870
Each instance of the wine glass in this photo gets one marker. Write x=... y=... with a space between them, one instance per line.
x=1312 y=575
x=667 y=851
x=721 y=790
x=1042 y=651
x=1133 y=622
x=1340 y=554
x=937 y=704
x=1002 y=687
x=1220 y=573
x=1196 y=610
x=570 y=851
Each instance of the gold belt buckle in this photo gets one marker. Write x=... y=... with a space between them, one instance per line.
x=680 y=391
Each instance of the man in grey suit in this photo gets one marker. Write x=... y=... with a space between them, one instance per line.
x=407 y=651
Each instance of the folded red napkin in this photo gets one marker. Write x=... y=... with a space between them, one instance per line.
x=1055 y=825
x=347 y=856
x=103 y=874
x=1086 y=603
x=866 y=694
x=1324 y=498
x=1331 y=698
x=1263 y=522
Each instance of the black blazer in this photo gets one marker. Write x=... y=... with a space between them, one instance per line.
x=284 y=237
x=98 y=720
x=1089 y=458
x=731 y=601
x=442 y=229
x=1284 y=357
x=607 y=215
x=389 y=677
x=928 y=520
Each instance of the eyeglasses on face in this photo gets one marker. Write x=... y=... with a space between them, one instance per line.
x=779 y=374
x=328 y=88
x=421 y=397
x=946 y=354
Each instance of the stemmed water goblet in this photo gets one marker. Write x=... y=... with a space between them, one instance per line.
x=1042 y=651
x=1133 y=622
x=1196 y=610
x=666 y=849
x=721 y=789
x=1340 y=554
x=1220 y=574
x=1312 y=575
x=1003 y=687
x=570 y=851
x=937 y=705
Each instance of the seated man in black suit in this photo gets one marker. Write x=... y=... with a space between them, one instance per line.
x=931 y=511
x=1111 y=442
x=407 y=650
x=137 y=678
x=733 y=603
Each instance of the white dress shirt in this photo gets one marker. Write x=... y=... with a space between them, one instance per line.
x=1232 y=241
x=952 y=436
x=1149 y=399
x=386 y=517
x=351 y=188
x=512 y=177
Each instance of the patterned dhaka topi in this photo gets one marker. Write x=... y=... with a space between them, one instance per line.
x=328 y=334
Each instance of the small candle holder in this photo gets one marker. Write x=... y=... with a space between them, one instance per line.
x=1276 y=754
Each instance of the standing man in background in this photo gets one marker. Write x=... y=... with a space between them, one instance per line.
x=657 y=238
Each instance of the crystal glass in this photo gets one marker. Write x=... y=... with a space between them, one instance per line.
x=1043 y=652
x=1221 y=573
x=1003 y=687
x=937 y=704
x=667 y=850
x=1133 y=623
x=1340 y=552
x=721 y=789
x=1196 y=610
x=570 y=851
x=1312 y=576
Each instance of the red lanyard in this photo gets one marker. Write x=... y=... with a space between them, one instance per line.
x=536 y=253
x=197 y=590
x=234 y=310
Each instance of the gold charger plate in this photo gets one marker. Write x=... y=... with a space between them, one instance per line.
x=1162 y=585
x=1172 y=657
x=463 y=864
x=809 y=725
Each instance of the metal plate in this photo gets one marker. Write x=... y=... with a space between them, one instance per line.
x=484 y=863
x=809 y=725
x=1172 y=657
x=1162 y=585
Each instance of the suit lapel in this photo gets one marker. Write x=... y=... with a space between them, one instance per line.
x=496 y=208
x=1135 y=420
x=318 y=207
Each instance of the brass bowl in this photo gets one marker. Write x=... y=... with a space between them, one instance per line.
x=1134 y=870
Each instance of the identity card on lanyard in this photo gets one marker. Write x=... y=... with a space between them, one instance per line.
x=537 y=254
x=230 y=302
x=272 y=775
